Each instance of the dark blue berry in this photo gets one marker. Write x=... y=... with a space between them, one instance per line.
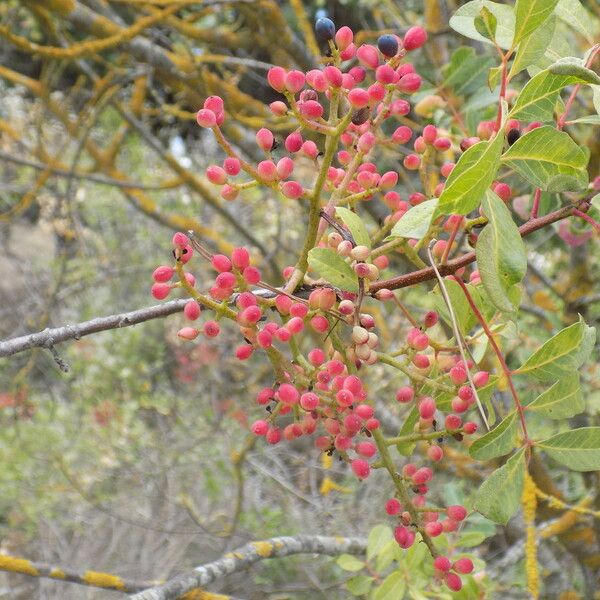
x=388 y=45
x=325 y=29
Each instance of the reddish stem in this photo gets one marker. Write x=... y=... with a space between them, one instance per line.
x=500 y=356
x=451 y=241
x=536 y=203
x=427 y=274
x=589 y=219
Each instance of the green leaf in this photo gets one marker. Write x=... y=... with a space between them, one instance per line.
x=333 y=268
x=471 y=177
x=499 y=496
x=408 y=427
x=548 y=159
x=416 y=221
x=486 y=23
x=531 y=49
x=562 y=400
x=463 y=21
x=596 y=96
x=537 y=100
x=580 y=19
x=356 y=226
x=531 y=14
x=379 y=537
x=591 y=120
x=578 y=449
x=392 y=588
x=497 y=442
x=494 y=77
x=465 y=72
x=571 y=65
x=359 y=585
x=500 y=251
x=562 y=354
x=386 y=556
x=350 y=563
x=465 y=317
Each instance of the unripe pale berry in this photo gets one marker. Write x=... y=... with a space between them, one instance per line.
x=188 y=333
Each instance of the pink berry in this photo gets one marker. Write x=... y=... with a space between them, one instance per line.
x=442 y=563
x=412 y=162
x=393 y=506
x=414 y=38
x=188 y=333
x=319 y=323
x=459 y=405
x=453 y=581
x=206 y=118
x=402 y=135
x=273 y=435
x=360 y=468
x=456 y=512
x=430 y=134
x=405 y=537
x=405 y=394
x=427 y=408
x=366 y=449
x=276 y=78
x=435 y=453
x=288 y=394
x=163 y=274
x=430 y=318
x=434 y=528
x=358 y=98
x=160 y=290
x=260 y=427
x=309 y=401
x=368 y=56
x=292 y=189
x=216 y=175
x=343 y=37
x=191 y=310
x=211 y=329
x=464 y=566
x=180 y=240
x=452 y=422
x=221 y=263
x=294 y=81
x=264 y=139
x=422 y=475
x=251 y=275
x=481 y=378
x=240 y=257
x=470 y=428
x=410 y=83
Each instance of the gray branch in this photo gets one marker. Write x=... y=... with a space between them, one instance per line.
x=49 y=337
x=249 y=554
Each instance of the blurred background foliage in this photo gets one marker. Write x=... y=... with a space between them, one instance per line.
x=136 y=461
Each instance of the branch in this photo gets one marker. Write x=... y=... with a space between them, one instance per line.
x=49 y=337
x=408 y=279
x=247 y=555
x=107 y=581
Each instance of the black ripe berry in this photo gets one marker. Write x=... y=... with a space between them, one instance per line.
x=325 y=28
x=512 y=136
x=388 y=45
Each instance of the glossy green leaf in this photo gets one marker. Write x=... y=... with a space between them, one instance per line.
x=548 y=159
x=537 y=100
x=497 y=442
x=463 y=21
x=379 y=537
x=531 y=14
x=574 y=14
x=360 y=584
x=416 y=221
x=333 y=268
x=486 y=23
x=356 y=226
x=562 y=354
x=470 y=178
x=350 y=563
x=532 y=48
x=500 y=251
x=499 y=496
x=392 y=588
x=466 y=71
x=578 y=449
x=405 y=449
x=560 y=401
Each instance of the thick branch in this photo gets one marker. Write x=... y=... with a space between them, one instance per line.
x=408 y=279
x=249 y=554
x=49 y=337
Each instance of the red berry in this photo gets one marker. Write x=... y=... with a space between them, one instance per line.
x=211 y=329
x=360 y=468
x=393 y=507
x=191 y=310
x=160 y=290
x=414 y=38
x=464 y=566
x=260 y=427
x=453 y=581
x=456 y=512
